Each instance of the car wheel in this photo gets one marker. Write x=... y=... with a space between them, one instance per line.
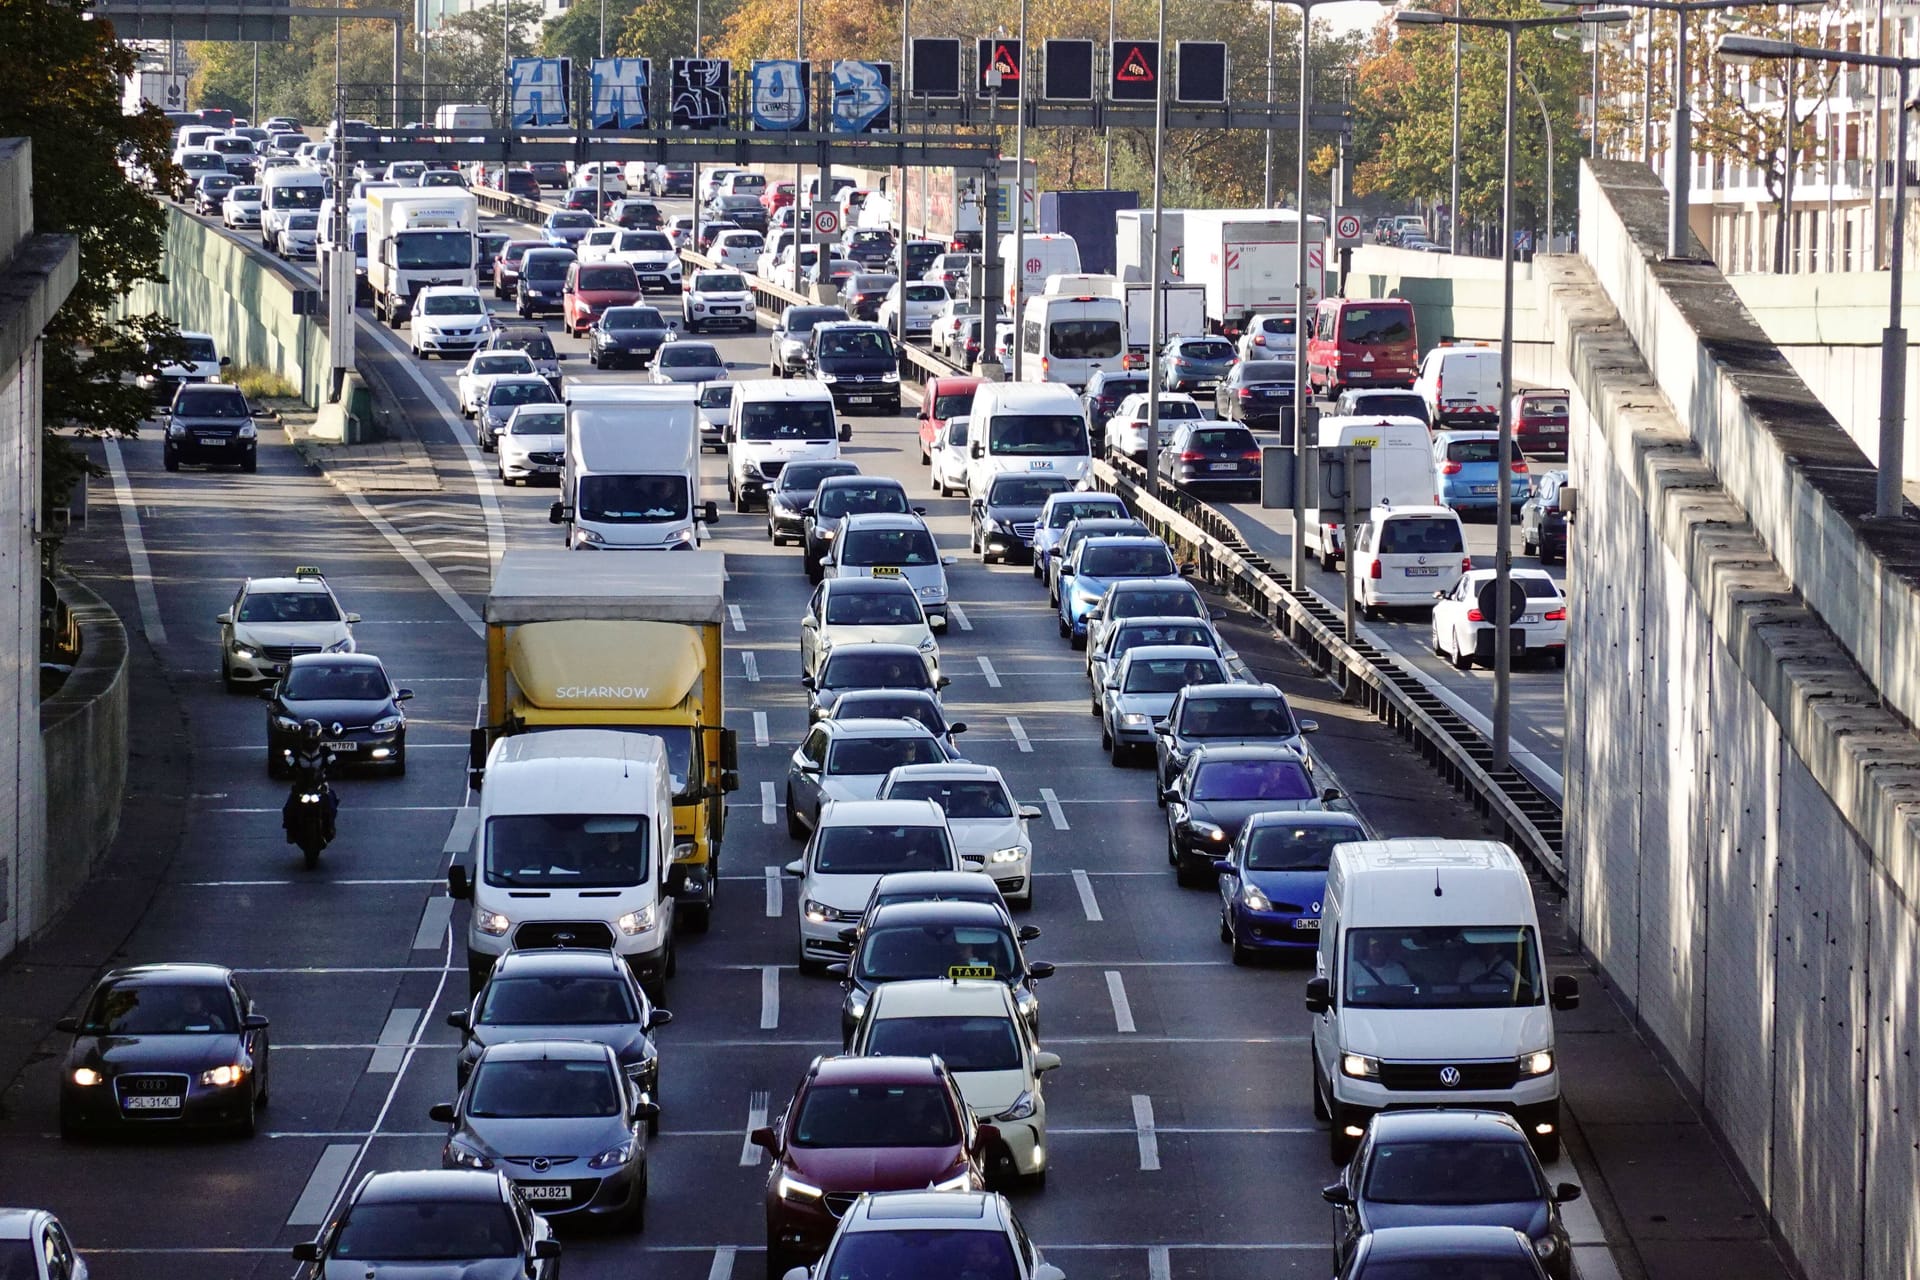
x=973 y=540
x=1117 y=754
x=1077 y=639
x=636 y=1219
x=251 y=465
x=1463 y=658
x=249 y=1124
x=1093 y=706
x=1242 y=956
x=796 y=829
x=169 y=459
x=1106 y=737
x=1528 y=547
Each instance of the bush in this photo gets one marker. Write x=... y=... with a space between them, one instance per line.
x=262 y=384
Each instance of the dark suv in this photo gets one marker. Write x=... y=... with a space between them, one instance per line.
x=543 y=278
x=1543 y=520
x=839 y=497
x=1105 y=390
x=211 y=423
x=859 y=364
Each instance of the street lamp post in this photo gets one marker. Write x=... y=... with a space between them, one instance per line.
x=1744 y=50
x=1503 y=511
x=1156 y=313
x=1546 y=123
x=1020 y=190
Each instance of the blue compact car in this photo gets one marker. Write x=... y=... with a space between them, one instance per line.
x=1274 y=879
x=1097 y=564
x=1466 y=465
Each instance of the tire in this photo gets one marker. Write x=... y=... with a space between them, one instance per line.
x=636 y=1218
x=1078 y=641
x=169 y=459
x=1463 y=660
x=1242 y=956
x=1117 y=754
x=1061 y=622
x=699 y=916
x=248 y=1125
x=1528 y=547
x=1106 y=737
x=796 y=829
x=250 y=466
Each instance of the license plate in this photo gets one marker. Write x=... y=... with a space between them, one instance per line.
x=1226 y=466
x=886 y=571
x=1483 y=488
x=1313 y=924
x=1430 y=571
x=153 y=1102
x=1039 y=466
x=214 y=441
x=859 y=399
x=726 y=311
x=1529 y=617
x=544 y=1192
x=343 y=746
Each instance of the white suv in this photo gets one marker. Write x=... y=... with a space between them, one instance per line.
x=449 y=320
x=718 y=298
x=854 y=843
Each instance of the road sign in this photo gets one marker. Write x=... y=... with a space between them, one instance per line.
x=826 y=221
x=1134 y=71
x=1200 y=71
x=1346 y=230
x=1066 y=71
x=935 y=69
x=1002 y=55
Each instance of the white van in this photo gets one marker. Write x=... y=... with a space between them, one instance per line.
x=574 y=848
x=1084 y=282
x=1043 y=254
x=285 y=192
x=1430 y=988
x=601 y=175
x=1018 y=426
x=775 y=422
x=462 y=115
x=1065 y=337
x=631 y=476
x=1461 y=385
x=1400 y=451
x=1405 y=554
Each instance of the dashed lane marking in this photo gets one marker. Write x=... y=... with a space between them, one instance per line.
x=722 y=1268
x=392 y=1049
x=733 y=616
x=1019 y=735
x=767 y=804
x=752 y=665
x=769 y=997
x=986 y=669
x=1054 y=810
x=434 y=919
x=960 y=618
x=760 y=736
x=1122 y=1011
x=773 y=893
x=1144 y=1131
x=310 y=1210
x=756 y=1119
x=1088 y=903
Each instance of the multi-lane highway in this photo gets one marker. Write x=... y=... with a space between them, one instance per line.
x=1182 y=1138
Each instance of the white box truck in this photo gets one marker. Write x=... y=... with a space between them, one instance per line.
x=1183 y=313
x=417 y=237
x=631 y=477
x=1400 y=462
x=1247 y=259
x=1133 y=244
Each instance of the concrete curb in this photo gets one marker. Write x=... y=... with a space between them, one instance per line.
x=398 y=463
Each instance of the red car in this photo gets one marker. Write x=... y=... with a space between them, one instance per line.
x=506 y=265
x=591 y=288
x=863 y=1124
x=945 y=398
x=1540 y=422
x=776 y=197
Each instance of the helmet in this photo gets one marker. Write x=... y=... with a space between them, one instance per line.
x=310 y=730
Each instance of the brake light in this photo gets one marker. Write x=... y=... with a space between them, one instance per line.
x=1439 y=385
x=1373 y=569
x=1466 y=564
x=1556 y=615
x=1449 y=468
x=1046 y=363
x=1251 y=455
x=1190 y=456
x=1246 y=393
x=1259 y=339
x=1474 y=615
x=1518 y=467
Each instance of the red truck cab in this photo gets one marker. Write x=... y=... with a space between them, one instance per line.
x=1362 y=342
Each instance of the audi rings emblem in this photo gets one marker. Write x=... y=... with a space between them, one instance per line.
x=1450 y=1077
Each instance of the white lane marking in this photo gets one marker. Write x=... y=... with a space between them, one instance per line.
x=1144 y=1131
x=1088 y=903
x=392 y=1049
x=756 y=1119
x=959 y=617
x=136 y=547
x=769 y=996
x=329 y=1171
x=434 y=919
x=766 y=803
x=752 y=665
x=1019 y=735
x=1054 y=810
x=773 y=893
x=760 y=736
x=1122 y=1011
x=359 y=808
x=986 y=669
x=722 y=1268
x=428 y=574
x=733 y=616
x=1159 y=1263
x=460 y=836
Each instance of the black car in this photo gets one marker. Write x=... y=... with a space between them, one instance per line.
x=1002 y=522
x=549 y=173
x=1464 y=1168
x=1257 y=393
x=521 y=183
x=1224 y=715
x=210 y=423
x=920 y=258
x=1221 y=787
x=742 y=211
x=793 y=331
x=1211 y=455
x=543 y=274
x=859 y=364
x=1543 y=521
x=357 y=706
x=1485 y=1253
x=627 y=336
x=167 y=1046
x=536 y=342
x=900 y=704
x=871 y=247
x=849 y=667
x=636 y=215
x=443 y=1222
x=792 y=496
x=974 y=941
x=210 y=193
x=862 y=294
x=840 y=497
x=1105 y=390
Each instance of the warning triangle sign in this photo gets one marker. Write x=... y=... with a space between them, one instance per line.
x=1135 y=69
x=1005 y=61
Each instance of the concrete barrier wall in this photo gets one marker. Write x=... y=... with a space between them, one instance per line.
x=83 y=737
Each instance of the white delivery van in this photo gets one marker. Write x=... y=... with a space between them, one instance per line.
x=1400 y=451
x=1020 y=427
x=284 y=192
x=1461 y=385
x=1403 y=555
x=1083 y=282
x=1066 y=336
x=574 y=847
x=777 y=421
x=1430 y=988
x=631 y=476
x=1043 y=254
x=462 y=116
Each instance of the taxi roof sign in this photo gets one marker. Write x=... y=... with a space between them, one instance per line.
x=970 y=972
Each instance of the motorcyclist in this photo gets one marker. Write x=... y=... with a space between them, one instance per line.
x=310 y=758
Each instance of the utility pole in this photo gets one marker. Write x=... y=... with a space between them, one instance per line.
x=1020 y=188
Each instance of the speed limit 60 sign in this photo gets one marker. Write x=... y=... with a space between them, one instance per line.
x=1346 y=229
x=826 y=222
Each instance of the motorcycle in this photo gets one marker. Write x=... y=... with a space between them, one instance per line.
x=308 y=815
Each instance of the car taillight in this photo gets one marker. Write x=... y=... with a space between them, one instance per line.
x=1045 y=364
x=1449 y=468
x=1259 y=339
x=1466 y=564
x=1373 y=570
x=1474 y=615
x=1251 y=455
x=1556 y=615
x=1518 y=467
x=1190 y=456
x=1246 y=393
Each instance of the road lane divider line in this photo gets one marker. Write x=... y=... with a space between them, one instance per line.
x=428 y=574
x=752 y=665
x=756 y=1119
x=722 y=1268
x=986 y=669
x=136 y=547
x=760 y=734
x=769 y=997
x=1054 y=810
x=774 y=904
x=1088 y=903
x=766 y=803
x=435 y=917
x=323 y=1184
x=733 y=616
x=1159 y=1262
x=959 y=616
x=392 y=1046
x=1019 y=735
x=1143 y=1129
x=1122 y=1011
x=460 y=835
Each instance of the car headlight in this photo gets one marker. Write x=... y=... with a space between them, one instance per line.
x=176 y=430
x=613 y=1156
x=1004 y=856
x=636 y=921
x=1251 y=896
x=857 y=1003
x=929 y=645
x=933 y=592
x=829 y=377
x=247 y=431
x=87 y=1077
x=341 y=646
x=286 y=724
x=1022 y=1108
x=491 y=923
x=750 y=470
x=388 y=724
x=821 y=913
x=245 y=652
x=961 y=1181
x=891 y=375
x=1359 y=1066
x=826 y=535
x=224 y=1076
x=588 y=536
x=791 y=1188
x=462 y=1156
x=1135 y=720
x=1538 y=1063
x=1206 y=830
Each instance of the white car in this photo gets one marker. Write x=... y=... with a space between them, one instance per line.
x=272 y=620
x=718 y=298
x=985 y=822
x=680 y=231
x=597 y=245
x=1127 y=428
x=651 y=254
x=1003 y=341
x=948 y=458
x=1402 y=555
x=37 y=1247
x=738 y=249
x=947 y=1217
x=864 y=611
x=300 y=237
x=924 y=300
x=1268 y=336
x=977 y=1030
x=854 y=843
x=449 y=320
x=482 y=370
x=607 y=175
x=885 y=544
x=241 y=208
x=1463 y=635
x=533 y=445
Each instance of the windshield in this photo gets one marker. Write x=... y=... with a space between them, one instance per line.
x=1170 y=675
x=805 y=477
x=1157 y=602
x=909 y=547
x=875 y=1115
x=306 y=222
x=511 y=393
x=537 y=346
x=610 y=277
x=1140 y=561
x=859 y=667
x=981 y=1043
x=1220 y=440
x=296 y=196
x=873 y=609
x=928 y=951
x=957 y=797
x=519 y=362
x=628 y=318
x=567 y=221
x=719 y=395
x=1065 y=513
x=688 y=355
x=861 y=756
x=876 y=851
x=156 y=1009
x=880 y=705
x=213 y=402
x=745 y=241
x=632 y=499
x=559 y=1000
x=867 y=344
x=358 y=682
x=451 y=304
x=1418 y=536
x=543 y=267
x=1403 y=404
x=288 y=606
x=926 y=293
x=428 y=1231
x=644 y=242
x=851 y=499
x=1025 y=491
x=1440 y=1173
x=1376 y=326
x=803 y=319
x=1442 y=967
x=244 y=195
x=787 y=420
x=1258 y=371
x=541 y=1088
x=433 y=250
x=1252 y=780
x=1473 y=451
x=566 y=850
x=1280 y=847
x=1125 y=638
x=953 y=404
x=1038 y=435
x=1544 y=407
x=719 y=282
x=1261 y=717
x=905 y=1254
x=1085 y=339
x=1207 y=349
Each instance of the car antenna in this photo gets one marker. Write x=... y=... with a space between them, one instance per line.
x=1437 y=890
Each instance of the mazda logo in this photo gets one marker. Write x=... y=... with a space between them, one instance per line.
x=541 y=1164
x=1450 y=1077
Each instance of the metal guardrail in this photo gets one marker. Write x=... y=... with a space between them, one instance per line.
x=1377 y=679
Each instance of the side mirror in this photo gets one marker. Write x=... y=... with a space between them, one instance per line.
x=949 y=560
x=1336 y=1194
x=404 y=695
x=1565 y=1192
x=458 y=1019
x=1566 y=992
x=441 y=1113
x=838 y=969
x=846 y=432
x=1319 y=995
x=711 y=511
x=268 y=693
x=659 y=1018
x=225 y=618
x=1330 y=795
x=69 y=1025
x=986 y=1135
x=795 y=868
x=1224 y=866
x=1066 y=571
x=1029 y=812
x=1186 y=568
x=645 y=1109
x=306 y=1251
x=557 y=513
x=1309 y=726
x=1045 y=1061
x=807 y=683
x=458 y=885
x=762 y=1138
x=225 y=361
x=256 y=1022
x=943 y=682
x=1041 y=969
x=546 y=1249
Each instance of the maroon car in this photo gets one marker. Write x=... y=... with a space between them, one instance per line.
x=506 y=265
x=863 y=1124
x=1540 y=422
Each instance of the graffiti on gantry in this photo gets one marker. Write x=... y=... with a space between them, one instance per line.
x=862 y=97
x=541 y=90
x=620 y=93
x=777 y=95
x=701 y=87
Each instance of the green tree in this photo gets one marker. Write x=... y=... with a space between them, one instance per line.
x=64 y=73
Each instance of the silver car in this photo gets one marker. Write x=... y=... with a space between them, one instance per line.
x=1142 y=688
x=688 y=362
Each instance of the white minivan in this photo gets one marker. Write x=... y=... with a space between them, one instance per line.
x=573 y=850
x=777 y=421
x=1033 y=429
x=1400 y=463
x=1461 y=385
x=1065 y=337
x=1404 y=554
x=1430 y=989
